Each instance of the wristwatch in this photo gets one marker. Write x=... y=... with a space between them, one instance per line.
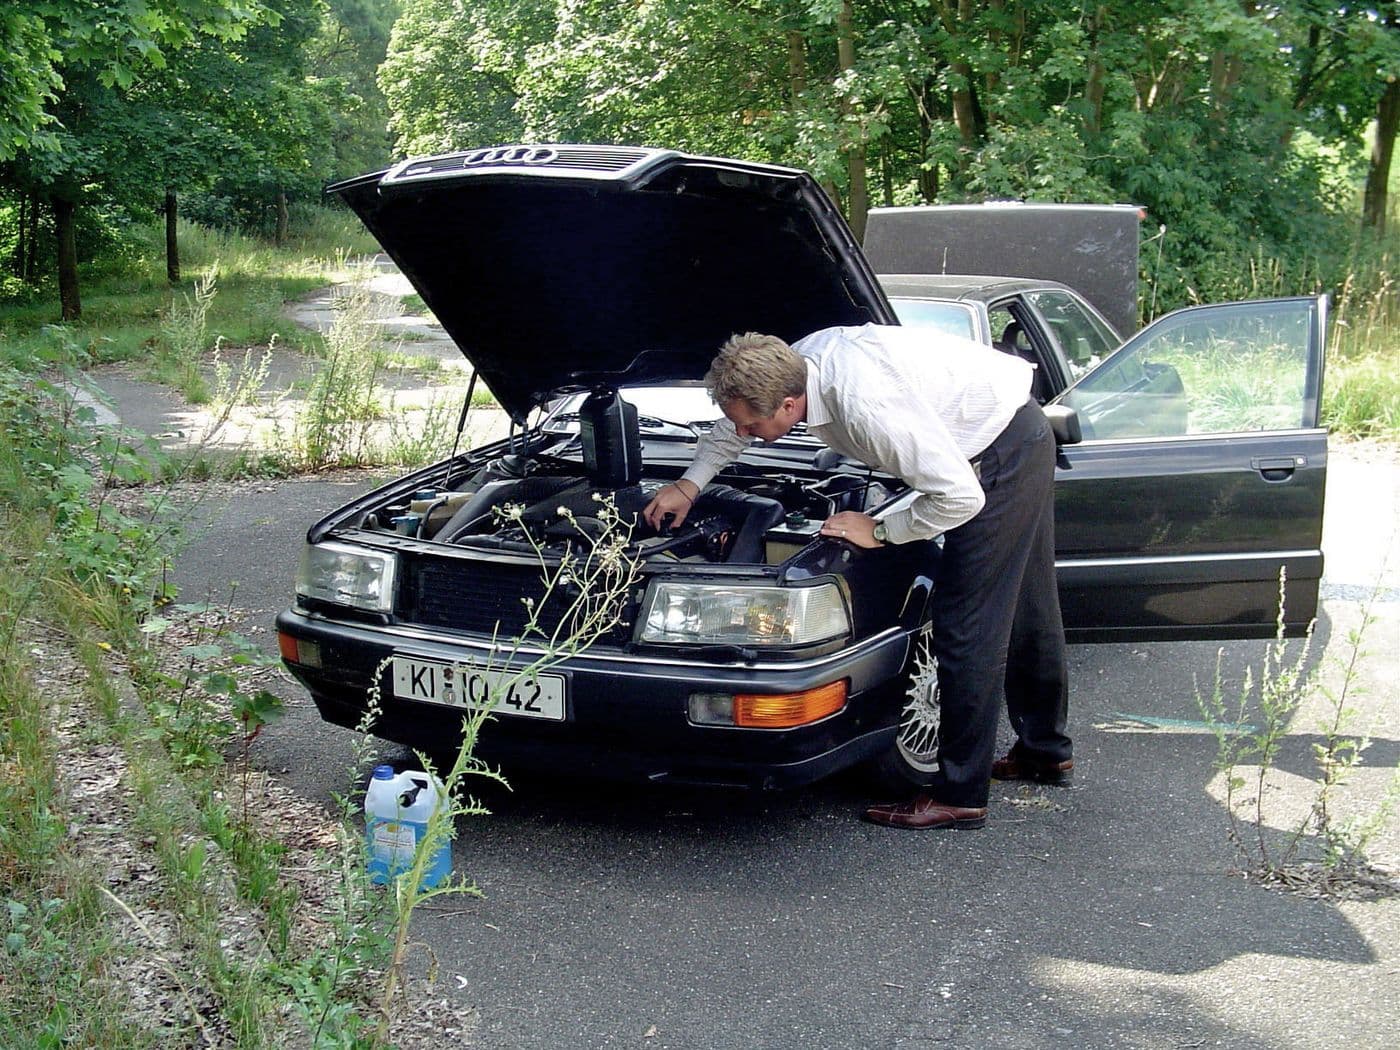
x=882 y=532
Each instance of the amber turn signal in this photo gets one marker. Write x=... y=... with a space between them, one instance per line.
x=298 y=652
x=758 y=711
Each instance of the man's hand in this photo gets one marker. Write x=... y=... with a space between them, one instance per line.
x=674 y=500
x=853 y=527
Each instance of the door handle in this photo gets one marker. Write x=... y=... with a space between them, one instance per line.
x=1277 y=468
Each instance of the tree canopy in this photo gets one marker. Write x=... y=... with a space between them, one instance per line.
x=1237 y=124
x=1240 y=126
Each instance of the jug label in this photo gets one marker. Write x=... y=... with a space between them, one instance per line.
x=394 y=842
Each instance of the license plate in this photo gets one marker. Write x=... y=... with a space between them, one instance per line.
x=468 y=687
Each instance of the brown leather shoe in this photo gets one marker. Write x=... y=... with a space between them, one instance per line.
x=925 y=813
x=1018 y=766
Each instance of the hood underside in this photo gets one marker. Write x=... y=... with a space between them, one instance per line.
x=569 y=267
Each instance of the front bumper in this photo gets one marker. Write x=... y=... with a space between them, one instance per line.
x=625 y=716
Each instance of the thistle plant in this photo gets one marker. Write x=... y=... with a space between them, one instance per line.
x=585 y=591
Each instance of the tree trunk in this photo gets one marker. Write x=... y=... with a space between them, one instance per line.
x=964 y=108
x=71 y=305
x=928 y=183
x=22 y=229
x=928 y=171
x=858 y=204
x=172 y=243
x=1378 y=173
x=282 y=222
x=887 y=175
x=1226 y=69
x=30 y=273
x=1094 y=85
x=997 y=39
x=797 y=65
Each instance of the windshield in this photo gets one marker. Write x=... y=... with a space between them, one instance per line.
x=948 y=317
x=686 y=404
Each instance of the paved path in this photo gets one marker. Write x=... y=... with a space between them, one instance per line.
x=1101 y=915
x=421 y=386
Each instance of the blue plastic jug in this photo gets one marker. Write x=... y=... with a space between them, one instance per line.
x=397 y=809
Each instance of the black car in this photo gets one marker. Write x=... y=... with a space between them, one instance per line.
x=590 y=287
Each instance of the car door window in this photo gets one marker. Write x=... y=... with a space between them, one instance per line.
x=1010 y=335
x=1233 y=368
x=1084 y=337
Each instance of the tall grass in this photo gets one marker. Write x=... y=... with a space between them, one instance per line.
x=124 y=304
x=1361 y=389
x=1361 y=385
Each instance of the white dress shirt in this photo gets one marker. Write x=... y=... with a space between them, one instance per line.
x=913 y=402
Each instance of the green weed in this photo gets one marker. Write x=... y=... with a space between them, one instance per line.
x=86 y=571
x=1319 y=852
x=184 y=331
x=333 y=426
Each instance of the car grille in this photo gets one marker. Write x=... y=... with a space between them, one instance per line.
x=585 y=161
x=616 y=159
x=481 y=597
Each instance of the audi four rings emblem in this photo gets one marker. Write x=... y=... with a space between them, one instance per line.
x=509 y=155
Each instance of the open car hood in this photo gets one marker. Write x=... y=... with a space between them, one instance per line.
x=567 y=267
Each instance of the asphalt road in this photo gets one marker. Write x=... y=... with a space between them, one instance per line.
x=1098 y=915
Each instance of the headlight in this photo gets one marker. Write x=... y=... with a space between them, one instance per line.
x=719 y=614
x=344 y=575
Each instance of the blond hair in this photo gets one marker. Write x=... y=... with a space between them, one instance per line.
x=758 y=369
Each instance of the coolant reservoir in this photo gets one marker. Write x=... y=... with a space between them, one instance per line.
x=436 y=510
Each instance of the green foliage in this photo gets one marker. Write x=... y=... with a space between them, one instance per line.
x=343 y=62
x=58 y=468
x=114 y=39
x=1239 y=133
x=57 y=951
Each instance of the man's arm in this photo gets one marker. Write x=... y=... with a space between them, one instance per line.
x=714 y=451
x=918 y=448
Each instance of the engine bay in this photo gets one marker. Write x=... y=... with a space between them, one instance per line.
x=545 y=502
x=531 y=505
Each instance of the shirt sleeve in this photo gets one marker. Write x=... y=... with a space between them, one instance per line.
x=917 y=447
x=715 y=451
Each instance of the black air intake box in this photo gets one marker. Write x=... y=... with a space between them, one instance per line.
x=612 y=444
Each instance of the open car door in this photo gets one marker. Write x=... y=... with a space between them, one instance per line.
x=1200 y=478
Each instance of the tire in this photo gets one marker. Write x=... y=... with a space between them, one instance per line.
x=912 y=760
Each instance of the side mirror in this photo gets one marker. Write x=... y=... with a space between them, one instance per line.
x=1064 y=421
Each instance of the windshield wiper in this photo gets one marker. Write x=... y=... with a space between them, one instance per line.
x=657 y=423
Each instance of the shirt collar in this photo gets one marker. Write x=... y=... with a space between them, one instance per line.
x=817 y=414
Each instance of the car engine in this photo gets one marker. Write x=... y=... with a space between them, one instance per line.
x=543 y=504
